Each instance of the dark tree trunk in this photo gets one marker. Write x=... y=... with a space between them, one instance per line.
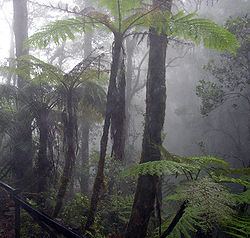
x=22 y=143
x=110 y=106
x=118 y=116
x=84 y=177
x=175 y=221
x=155 y=114
x=70 y=155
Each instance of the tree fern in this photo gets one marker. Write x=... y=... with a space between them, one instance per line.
x=123 y=7
x=177 y=165
x=159 y=168
x=239 y=227
x=58 y=32
x=209 y=205
x=179 y=25
x=203 y=31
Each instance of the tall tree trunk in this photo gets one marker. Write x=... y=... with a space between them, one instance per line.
x=22 y=143
x=11 y=55
x=85 y=127
x=110 y=107
x=130 y=45
x=70 y=155
x=155 y=114
x=118 y=117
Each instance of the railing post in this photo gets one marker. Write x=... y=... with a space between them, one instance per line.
x=17 y=220
x=17 y=214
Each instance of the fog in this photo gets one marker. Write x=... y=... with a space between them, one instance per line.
x=78 y=116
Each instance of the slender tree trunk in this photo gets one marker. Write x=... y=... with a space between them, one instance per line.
x=118 y=117
x=155 y=114
x=11 y=55
x=130 y=43
x=110 y=107
x=85 y=127
x=70 y=155
x=22 y=143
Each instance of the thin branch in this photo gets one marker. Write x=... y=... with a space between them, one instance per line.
x=81 y=13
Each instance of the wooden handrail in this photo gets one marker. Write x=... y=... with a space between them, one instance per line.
x=42 y=219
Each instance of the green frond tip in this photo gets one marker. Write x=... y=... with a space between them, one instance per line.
x=209 y=204
x=238 y=227
x=162 y=167
x=203 y=31
x=226 y=179
x=58 y=32
x=125 y=6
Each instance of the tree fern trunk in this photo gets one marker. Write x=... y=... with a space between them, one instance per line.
x=70 y=155
x=155 y=114
x=110 y=107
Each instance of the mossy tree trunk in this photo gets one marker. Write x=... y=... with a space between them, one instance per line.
x=110 y=108
x=69 y=118
x=22 y=141
x=146 y=192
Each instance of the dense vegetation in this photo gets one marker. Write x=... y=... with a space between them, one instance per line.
x=68 y=119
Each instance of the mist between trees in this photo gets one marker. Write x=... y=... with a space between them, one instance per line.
x=128 y=118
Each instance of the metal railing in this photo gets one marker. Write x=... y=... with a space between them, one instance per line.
x=47 y=223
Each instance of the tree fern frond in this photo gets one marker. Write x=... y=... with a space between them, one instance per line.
x=242 y=198
x=203 y=31
x=199 y=162
x=58 y=32
x=209 y=204
x=239 y=227
x=227 y=179
x=126 y=6
x=35 y=70
x=159 y=168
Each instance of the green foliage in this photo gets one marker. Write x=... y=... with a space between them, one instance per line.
x=123 y=7
x=57 y=32
x=230 y=72
x=75 y=212
x=239 y=227
x=211 y=95
x=35 y=70
x=180 y=25
x=114 y=212
x=159 y=168
x=209 y=205
x=177 y=165
x=203 y=31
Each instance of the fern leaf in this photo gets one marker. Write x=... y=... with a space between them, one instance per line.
x=159 y=168
x=58 y=32
x=203 y=31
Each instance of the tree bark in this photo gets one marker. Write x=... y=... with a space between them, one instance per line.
x=155 y=114
x=110 y=107
x=119 y=115
x=22 y=143
x=70 y=155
